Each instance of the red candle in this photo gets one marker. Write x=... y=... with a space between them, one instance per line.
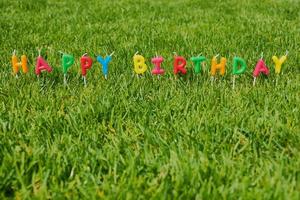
x=86 y=63
x=179 y=65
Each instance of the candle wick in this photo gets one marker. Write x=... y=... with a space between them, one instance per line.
x=136 y=53
x=286 y=52
x=261 y=55
x=112 y=53
x=84 y=54
x=14 y=52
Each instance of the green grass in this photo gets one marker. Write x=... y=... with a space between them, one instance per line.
x=130 y=138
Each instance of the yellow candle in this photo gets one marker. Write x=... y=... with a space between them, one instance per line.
x=218 y=66
x=278 y=63
x=16 y=65
x=140 y=66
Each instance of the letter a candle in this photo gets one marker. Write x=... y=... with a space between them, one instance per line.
x=42 y=65
x=157 y=70
x=260 y=67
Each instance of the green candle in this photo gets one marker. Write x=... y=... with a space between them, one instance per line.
x=239 y=66
x=197 y=63
x=67 y=62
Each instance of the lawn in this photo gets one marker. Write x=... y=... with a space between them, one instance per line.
x=181 y=137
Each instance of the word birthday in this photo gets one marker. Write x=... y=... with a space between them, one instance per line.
x=140 y=67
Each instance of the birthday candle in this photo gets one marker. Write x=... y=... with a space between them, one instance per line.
x=157 y=70
x=86 y=63
x=179 y=65
x=239 y=66
x=104 y=62
x=260 y=67
x=16 y=64
x=42 y=65
x=67 y=62
x=218 y=66
x=139 y=64
x=197 y=63
x=278 y=63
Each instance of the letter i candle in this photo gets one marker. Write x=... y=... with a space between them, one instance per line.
x=157 y=70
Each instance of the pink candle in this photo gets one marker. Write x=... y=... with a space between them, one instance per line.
x=260 y=68
x=157 y=70
x=42 y=65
